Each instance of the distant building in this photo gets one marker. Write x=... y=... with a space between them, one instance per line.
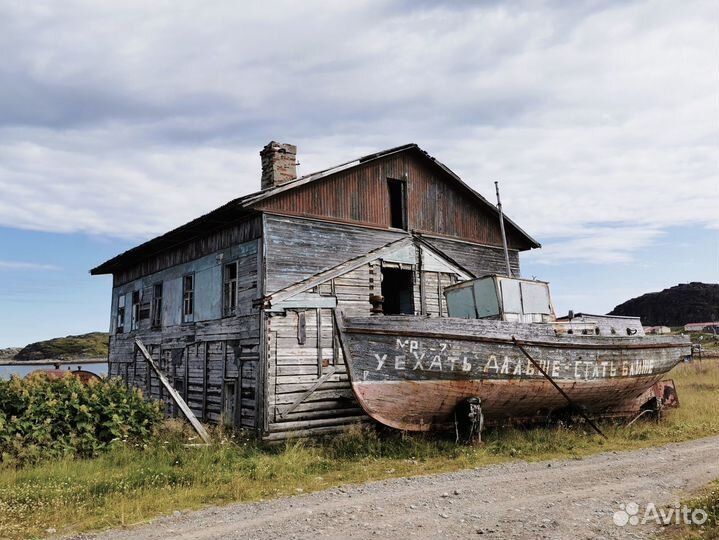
x=657 y=330
x=702 y=327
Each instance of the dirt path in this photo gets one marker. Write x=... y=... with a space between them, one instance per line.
x=557 y=499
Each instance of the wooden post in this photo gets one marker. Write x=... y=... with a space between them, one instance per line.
x=204 y=380
x=201 y=431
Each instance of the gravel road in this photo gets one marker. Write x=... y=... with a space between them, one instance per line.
x=552 y=499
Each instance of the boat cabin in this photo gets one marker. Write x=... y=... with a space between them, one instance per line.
x=498 y=297
x=502 y=298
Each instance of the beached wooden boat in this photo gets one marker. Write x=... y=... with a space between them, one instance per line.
x=503 y=344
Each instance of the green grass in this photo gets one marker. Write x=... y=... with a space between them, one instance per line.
x=131 y=484
x=708 y=500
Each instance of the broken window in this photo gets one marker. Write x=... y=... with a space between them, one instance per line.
x=229 y=404
x=188 y=297
x=397 y=203
x=157 y=305
x=398 y=292
x=230 y=289
x=301 y=328
x=120 y=324
x=135 y=321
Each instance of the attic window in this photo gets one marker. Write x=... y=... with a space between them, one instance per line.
x=397 y=203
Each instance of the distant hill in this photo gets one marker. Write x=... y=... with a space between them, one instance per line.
x=9 y=353
x=93 y=345
x=675 y=306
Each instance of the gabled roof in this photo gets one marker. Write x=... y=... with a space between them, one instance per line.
x=243 y=207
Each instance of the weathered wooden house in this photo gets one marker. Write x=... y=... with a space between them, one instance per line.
x=236 y=307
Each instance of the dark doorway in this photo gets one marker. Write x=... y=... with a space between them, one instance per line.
x=229 y=404
x=397 y=291
x=397 y=203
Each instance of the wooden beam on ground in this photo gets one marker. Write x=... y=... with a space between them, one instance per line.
x=201 y=431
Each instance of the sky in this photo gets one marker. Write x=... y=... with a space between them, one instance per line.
x=121 y=120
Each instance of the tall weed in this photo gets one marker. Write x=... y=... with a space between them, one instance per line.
x=48 y=418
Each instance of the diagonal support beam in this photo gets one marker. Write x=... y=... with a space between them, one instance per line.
x=201 y=431
x=292 y=406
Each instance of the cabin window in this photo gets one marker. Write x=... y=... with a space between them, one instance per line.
x=398 y=292
x=188 y=297
x=397 y=203
x=229 y=403
x=230 y=289
x=120 y=324
x=157 y=305
x=535 y=298
x=511 y=297
x=134 y=323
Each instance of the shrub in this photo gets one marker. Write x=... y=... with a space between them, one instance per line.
x=48 y=418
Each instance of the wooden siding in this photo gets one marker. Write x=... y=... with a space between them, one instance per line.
x=198 y=360
x=296 y=249
x=204 y=358
x=436 y=202
x=295 y=368
x=193 y=249
x=309 y=390
x=478 y=260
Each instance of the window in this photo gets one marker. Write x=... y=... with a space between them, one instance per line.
x=535 y=298
x=120 y=324
x=135 y=310
x=229 y=403
x=511 y=296
x=397 y=290
x=188 y=297
x=397 y=203
x=157 y=305
x=230 y=289
x=301 y=328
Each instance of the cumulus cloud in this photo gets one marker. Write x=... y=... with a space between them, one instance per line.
x=599 y=119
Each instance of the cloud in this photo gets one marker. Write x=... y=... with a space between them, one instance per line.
x=601 y=245
x=20 y=265
x=599 y=120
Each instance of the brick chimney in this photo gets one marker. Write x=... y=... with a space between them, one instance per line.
x=279 y=164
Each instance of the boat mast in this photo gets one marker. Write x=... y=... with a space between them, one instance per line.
x=501 y=227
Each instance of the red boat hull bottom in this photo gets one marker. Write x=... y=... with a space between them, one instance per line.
x=429 y=405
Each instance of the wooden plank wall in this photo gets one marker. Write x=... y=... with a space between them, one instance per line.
x=434 y=284
x=436 y=202
x=296 y=248
x=193 y=249
x=476 y=258
x=294 y=368
x=198 y=364
x=201 y=358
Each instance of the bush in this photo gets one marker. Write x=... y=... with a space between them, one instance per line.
x=49 y=418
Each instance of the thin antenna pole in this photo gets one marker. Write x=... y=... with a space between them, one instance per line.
x=501 y=227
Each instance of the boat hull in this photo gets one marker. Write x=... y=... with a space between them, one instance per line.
x=410 y=373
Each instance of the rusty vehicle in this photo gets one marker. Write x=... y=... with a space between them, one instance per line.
x=503 y=347
x=56 y=373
